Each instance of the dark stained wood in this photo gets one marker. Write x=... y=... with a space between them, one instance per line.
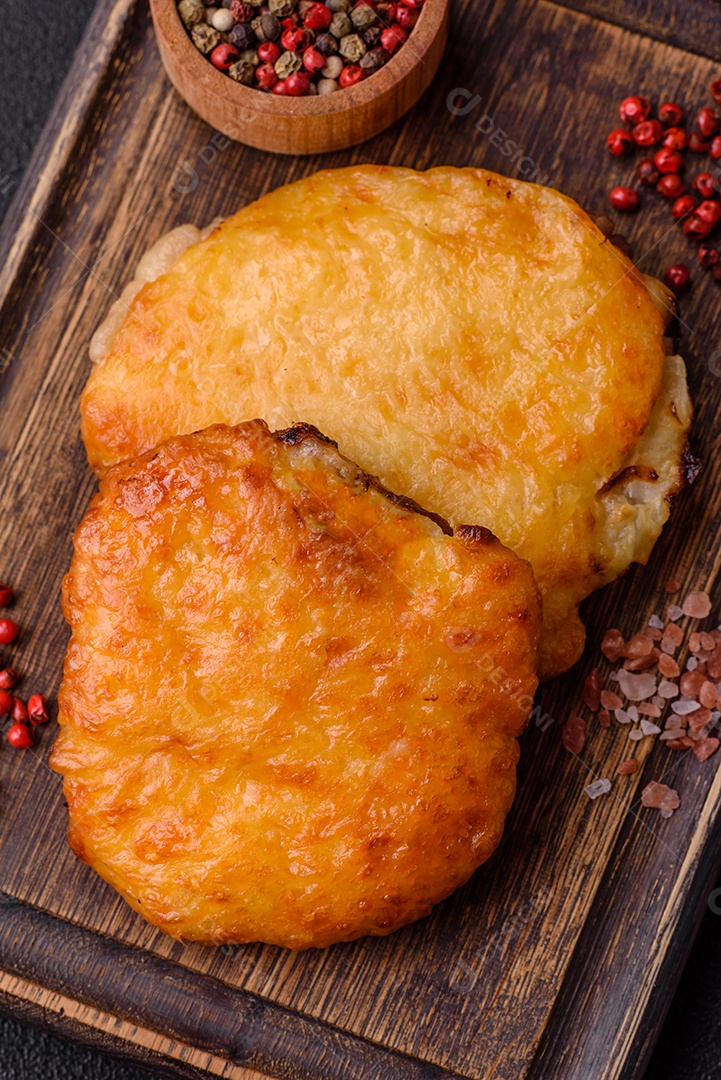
x=559 y=957
x=691 y=24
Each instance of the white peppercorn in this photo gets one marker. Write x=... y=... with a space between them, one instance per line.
x=352 y=48
x=362 y=16
x=340 y=25
x=333 y=67
x=327 y=86
x=191 y=12
x=222 y=20
x=287 y=64
x=281 y=8
x=205 y=38
x=242 y=72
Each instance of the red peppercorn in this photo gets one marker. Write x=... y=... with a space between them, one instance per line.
x=8 y=678
x=697 y=143
x=313 y=60
x=647 y=133
x=289 y=23
x=19 y=711
x=413 y=3
x=295 y=40
x=623 y=198
x=8 y=631
x=696 y=227
x=406 y=17
x=393 y=38
x=683 y=206
x=707 y=121
x=6 y=702
x=715 y=148
x=668 y=161
x=268 y=52
x=670 y=113
x=6 y=596
x=317 y=17
x=708 y=257
x=37 y=709
x=224 y=56
x=703 y=182
x=716 y=90
x=675 y=139
x=19 y=736
x=619 y=142
x=279 y=88
x=647 y=172
x=677 y=277
x=265 y=76
x=350 y=75
x=387 y=12
x=297 y=84
x=710 y=212
x=671 y=186
x=634 y=109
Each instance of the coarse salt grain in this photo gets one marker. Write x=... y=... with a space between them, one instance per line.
x=627 y=767
x=672 y=733
x=674 y=632
x=635 y=735
x=708 y=643
x=637 y=687
x=708 y=695
x=694 y=643
x=673 y=586
x=592 y=687
x=692 y=663
x=660 y=796
x=598 y=787
x=667 y=689
x=697 y=605
x=674 y=612
x=609 y=700
x=667 y=813
x=658 y=701
x=632 y=712
x=622 y=716
x=668 y=666
x=655 y=622
x=613 y=645
x=648 y=710
x=668 y=645
x=637 y=646
x=683 y=708
x=650 y=729
x=604 y=718
x=704 y=748
x=573 y=735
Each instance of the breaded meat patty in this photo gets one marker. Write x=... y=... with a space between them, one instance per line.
x=473 y=341
x=291 y=700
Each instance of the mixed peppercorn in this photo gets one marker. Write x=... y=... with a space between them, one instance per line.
x=298 y=47
x=698 y=211
x=23 y=716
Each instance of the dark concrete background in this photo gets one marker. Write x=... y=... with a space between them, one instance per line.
x=37 y=42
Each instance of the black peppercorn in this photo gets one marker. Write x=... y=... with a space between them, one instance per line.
x=374 y=60
x=242 y=36
x=372 y=36
x=266 y=28
x=326 y=44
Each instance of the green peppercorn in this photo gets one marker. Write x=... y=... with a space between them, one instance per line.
x=191 y=12
x=281 y=8
x=250 y=56
x=362 y=16
x=242 y=72
x=340 y=25
x=287 y=64
x=303 y=7
x=266 y=28
x=374 y=60
x=205 y=38
x=338 y=5
x=352 y=48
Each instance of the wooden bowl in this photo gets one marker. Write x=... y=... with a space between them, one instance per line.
x=310 y=125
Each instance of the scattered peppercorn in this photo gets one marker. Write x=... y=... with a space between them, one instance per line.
x=677 y=277
x=707 y=121
x=8 y=678
x=668 y=161
x=6 y=596
x=683 y=206
x=8 y=631
x=669 y=113
x=634 y=109
x=675 y=139
x=364 y=34
x=19 y=711
x=623 y=198
x=619 y=142
x=6 y=703
x=704 y=184
x=697 y=143
x=670 y=186
x=19 y=736
x=37 y=710
x=708 y=257
x=647 y=133
x=647 y=172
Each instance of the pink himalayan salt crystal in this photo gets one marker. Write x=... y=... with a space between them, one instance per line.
x=611 y=701
x=637 y=687
x=573 y=735
x=694 y=643
x=645 y=709
x=641 y=663
x=668 y=666
x=708 y=695
x=613 y=645
x=691 y=683
x=674 y=632
x=674 y=612
x=708 y=643
x=638 y=645
x=660 y=796
x=697 y=605
x=635 y=735
x=604 y=718
x=673 y=586
x=627 y=767
x=667 y=689
x=704 y=748
x=592 y=690
x=622 y=716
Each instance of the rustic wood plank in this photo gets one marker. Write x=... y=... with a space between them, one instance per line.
x=504 y=972
x=692 y=25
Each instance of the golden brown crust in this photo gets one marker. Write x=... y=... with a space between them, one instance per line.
x=290 y=706
x=472 y=340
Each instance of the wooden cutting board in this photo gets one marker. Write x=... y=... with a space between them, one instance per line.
x=560 y=956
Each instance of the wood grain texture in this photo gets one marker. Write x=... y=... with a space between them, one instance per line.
x=559 y=957
x=308 y=125
x=691 y=25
